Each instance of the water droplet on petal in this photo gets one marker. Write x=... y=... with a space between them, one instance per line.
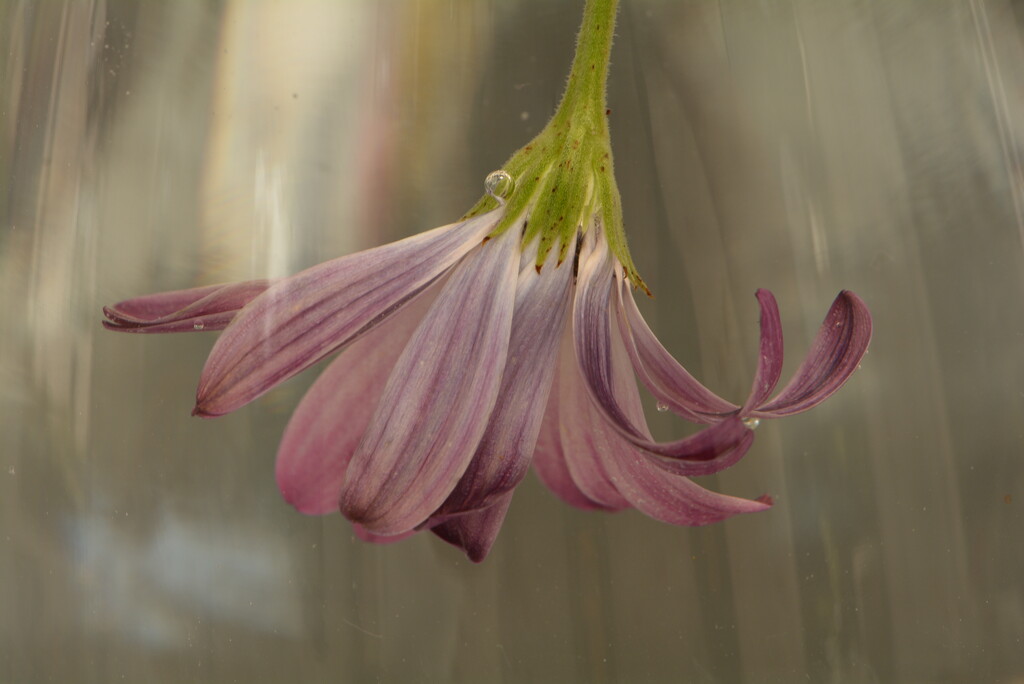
x=198 y=326
x=662 y=407
x=499 y=185
x=751 y=423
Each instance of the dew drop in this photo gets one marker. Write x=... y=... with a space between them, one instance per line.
x=198 y=326
x=499 y=184
x=751 y=423
x=662 y=407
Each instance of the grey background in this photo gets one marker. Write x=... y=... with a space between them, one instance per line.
x=798 y=145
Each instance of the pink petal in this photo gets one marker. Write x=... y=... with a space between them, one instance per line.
x=302 y=319
x=640 y=478
x=672 y=498
x=667 y=380
x=330 y=420
x=503 y=456
x=835 y=354
x=439 y=398
x=474 y=532
x=549 y=460
x=601 y=352
x=769 y=359
x=201 y=308
x=583 y=434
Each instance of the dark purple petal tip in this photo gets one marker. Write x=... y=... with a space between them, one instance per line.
x=836 y=352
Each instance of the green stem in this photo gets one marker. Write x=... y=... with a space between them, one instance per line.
x=586 y=87
x=563 y=178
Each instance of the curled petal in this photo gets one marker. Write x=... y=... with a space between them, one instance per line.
x=328 y=423
x=709 y=451
x=200 y=308
x=505 y=451
x=438 y=399
x=302 y=319
x=769 y=359
x=835 y=354
x=474 y=532
x=648 y=483
x=601 y=352
x=667 y=380
x=671 y=498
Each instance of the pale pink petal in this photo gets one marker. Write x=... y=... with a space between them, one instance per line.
x=549 y=461
x=474 y=532
x=201 y=308
x=503 y=456
x=439 y=398
x=583 y=433
x=835 y=354
x=302 y=319
x=330 y=420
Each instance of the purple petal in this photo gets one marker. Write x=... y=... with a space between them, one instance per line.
x=439 y=398
x=601 y=354
x=769 y=360
x=583 y=433
x=644 y=481
x=330 y=420
x=549 y=460
x=667 y=380
x=201 y=308
x=474 y=532
x=835 y=354
x=503 y=456
x=672 y=498
x=302 y=319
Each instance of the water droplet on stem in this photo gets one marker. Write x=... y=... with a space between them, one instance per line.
x=751 y=423
x=662 y=407
x=499 y=185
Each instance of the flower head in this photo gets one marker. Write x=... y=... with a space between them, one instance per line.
x=475 y=350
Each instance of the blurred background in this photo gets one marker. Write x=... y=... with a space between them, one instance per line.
x=796 y=145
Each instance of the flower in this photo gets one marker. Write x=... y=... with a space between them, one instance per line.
x=473 y=351
x=464 y=363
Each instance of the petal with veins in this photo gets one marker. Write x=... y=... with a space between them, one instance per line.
x=648 y=483
x=769 y=359
x=302 y=319
x=200 y=308
x=549 y=460
x=328 y=423
x=836 y=352
x=438 y=399
x=583 y=433
x=601 y=353
x=667 y=380
x=505 y=451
